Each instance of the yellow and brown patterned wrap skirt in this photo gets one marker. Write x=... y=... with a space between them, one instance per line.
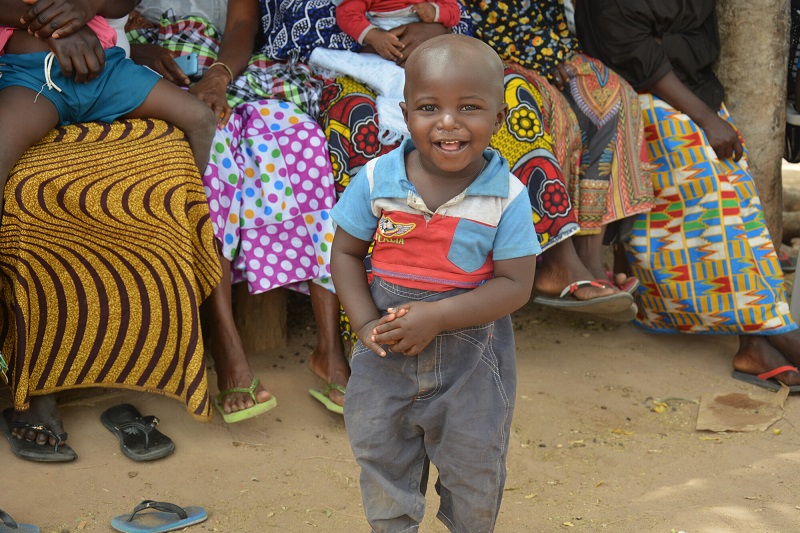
x=106 y=252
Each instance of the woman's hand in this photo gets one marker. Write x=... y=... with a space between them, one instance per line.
x=561 y=77
x=58 y=18
x=414 y=34
x=722 y=137
x=80 y=55
x=385 y=44
x=161 y=60
x=212 y=90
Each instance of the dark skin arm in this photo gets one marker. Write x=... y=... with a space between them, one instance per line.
x=238 y=41
x=350 y=279
x=61 y=18
x=722 y=137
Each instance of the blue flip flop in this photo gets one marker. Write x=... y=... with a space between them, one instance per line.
x=165 y=517
x=7 y=524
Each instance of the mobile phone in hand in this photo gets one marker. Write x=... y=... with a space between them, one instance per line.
x=188 y=63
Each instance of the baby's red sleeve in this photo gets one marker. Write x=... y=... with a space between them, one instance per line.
x=351 y=17
x=449 y=12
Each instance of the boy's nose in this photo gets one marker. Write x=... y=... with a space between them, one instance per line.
x=447 y=122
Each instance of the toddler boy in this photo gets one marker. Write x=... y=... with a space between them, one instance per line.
x=454 y=254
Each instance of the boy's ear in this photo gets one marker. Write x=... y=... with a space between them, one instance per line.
x=405 y=111
x=502 y=112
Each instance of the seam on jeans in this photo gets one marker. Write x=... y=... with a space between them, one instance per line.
x=437 y=370
x=357 y=351
x=446 y=521
x=414 y=294
x=502 y=390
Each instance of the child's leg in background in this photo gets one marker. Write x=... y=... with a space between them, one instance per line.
x=23 y=123
x=168 y=102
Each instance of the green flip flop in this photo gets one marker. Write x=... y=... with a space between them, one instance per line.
x=322 y=396
x=250 y=412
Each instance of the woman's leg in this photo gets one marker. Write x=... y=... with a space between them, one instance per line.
x=328 y=360
x=230 y=361
x=23 y=122
x=562 y=266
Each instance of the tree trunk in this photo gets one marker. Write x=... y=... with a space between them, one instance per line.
x=752 y=67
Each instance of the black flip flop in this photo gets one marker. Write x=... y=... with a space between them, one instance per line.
x=138 y=437
x=25 y=449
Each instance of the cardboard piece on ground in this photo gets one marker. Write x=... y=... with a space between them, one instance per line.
x=735 y=411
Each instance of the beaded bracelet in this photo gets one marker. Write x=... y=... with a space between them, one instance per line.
x=223 y=65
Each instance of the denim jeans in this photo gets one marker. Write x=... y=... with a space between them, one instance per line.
x=452 y=403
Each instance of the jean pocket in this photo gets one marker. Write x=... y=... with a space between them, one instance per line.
x=471 y=245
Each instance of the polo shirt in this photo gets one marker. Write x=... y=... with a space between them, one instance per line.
x=453 y=247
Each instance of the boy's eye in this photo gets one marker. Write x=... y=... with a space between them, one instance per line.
x=470 y=107
x=427 y=107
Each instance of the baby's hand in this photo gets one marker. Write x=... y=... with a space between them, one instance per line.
x=425 y=11
x=385 y=43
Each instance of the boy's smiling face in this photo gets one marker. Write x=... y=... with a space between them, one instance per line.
x=453 y=105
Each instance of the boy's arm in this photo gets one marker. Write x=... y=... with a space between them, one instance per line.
x=509 y=290
x=350 y=279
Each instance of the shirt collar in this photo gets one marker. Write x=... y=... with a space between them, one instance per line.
x=391 y=181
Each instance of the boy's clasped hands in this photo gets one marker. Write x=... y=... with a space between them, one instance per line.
x=405 y=333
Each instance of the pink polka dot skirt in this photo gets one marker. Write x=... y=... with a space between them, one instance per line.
x=270 y=190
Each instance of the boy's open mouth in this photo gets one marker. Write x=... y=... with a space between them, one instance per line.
x=450 y=146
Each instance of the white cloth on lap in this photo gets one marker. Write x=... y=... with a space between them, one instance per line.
x=377 y=73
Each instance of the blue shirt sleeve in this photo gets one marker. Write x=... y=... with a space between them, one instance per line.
x=353 y=211
x=516 y=236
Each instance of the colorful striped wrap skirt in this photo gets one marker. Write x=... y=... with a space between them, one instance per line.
x=703 y=254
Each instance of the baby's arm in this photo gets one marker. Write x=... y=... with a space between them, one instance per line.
x=509 y=290
x=350 y=279
x=60 y=18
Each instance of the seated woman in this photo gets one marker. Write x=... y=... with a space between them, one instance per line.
x=591 y=114
x=269 y=184
x=106 y=252
x=704 y=254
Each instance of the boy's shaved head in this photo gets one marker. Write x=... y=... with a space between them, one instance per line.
x=452 y=50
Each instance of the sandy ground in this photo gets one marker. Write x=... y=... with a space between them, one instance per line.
x=587 y=453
